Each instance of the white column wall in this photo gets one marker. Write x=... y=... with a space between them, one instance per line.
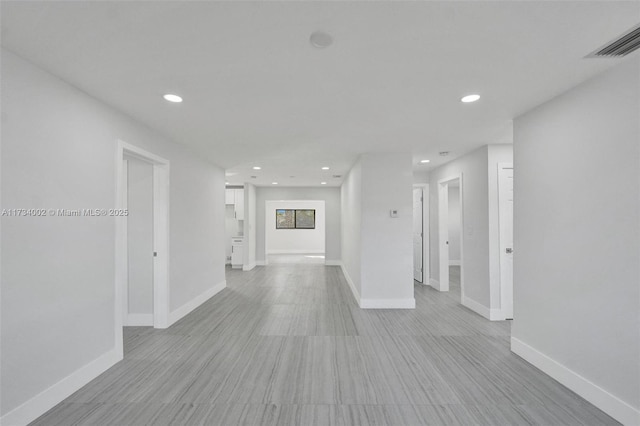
x=577 y=239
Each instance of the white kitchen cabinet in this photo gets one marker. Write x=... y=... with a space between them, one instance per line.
x=237 y=250
x=236 y=198
x=239 y=203
x=229 y=196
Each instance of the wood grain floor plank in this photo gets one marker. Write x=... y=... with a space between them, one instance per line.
x=287 y=344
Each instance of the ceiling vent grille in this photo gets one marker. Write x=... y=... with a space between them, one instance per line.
x=622 y=46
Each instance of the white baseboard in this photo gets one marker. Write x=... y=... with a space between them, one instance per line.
x=248 y=267
x=610 y=404
x=306 y=251
x=476 y=307
x=50 y=397
x=261 y=262
x=352 y=286
x=195 y=302
x=434 y=283
x=376 y=303
x=454 y=263
x=497 y=315
x=332 y=262
x=388 y=303
x=138 y=320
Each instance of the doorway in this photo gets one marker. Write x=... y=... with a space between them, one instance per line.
x=151 y=174
x=505 y=217
x=421 y=233
x=450 y=242
x=138 y=294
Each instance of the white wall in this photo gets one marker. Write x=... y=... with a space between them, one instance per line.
x=380 y=264
x=249 y=225
x=577 y=239
x=475 y=217
x=288 y=241
x=140 y=239
x=481 y=231
x=331 y=198
x=58 y=151
x=351 y=238
x=454 y=225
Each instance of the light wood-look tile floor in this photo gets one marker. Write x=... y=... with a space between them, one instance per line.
x=287 y=345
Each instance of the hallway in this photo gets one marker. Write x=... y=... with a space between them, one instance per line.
x=287 y=345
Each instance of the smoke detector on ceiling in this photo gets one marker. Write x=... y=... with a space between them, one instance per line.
x=320 y=40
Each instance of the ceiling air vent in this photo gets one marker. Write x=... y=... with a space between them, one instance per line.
x=621 y=46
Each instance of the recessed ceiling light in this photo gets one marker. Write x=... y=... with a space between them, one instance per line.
x=470 y=98
x=172 y=98
x=256 y=167
x=325 y=168
x=323 y=183
x=424 y=161
x=320 y=39
x=274 y=183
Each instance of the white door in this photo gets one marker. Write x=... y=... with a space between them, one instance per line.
x=505 y=202
x=417 y=234
x=140 y=260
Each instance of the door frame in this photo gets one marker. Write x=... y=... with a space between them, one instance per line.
x=506 y=293
x=426 y=271
x=443 y=233
x=160 y=238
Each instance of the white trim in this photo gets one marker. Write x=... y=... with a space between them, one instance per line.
x=248 y=267
x=454 y=262
x=188 y=307
x=480 y=309
x=138 y=320
x=277 y=251
x=125 y=231
x=352 y=286
x=604 y=400
x=160 y=238
x=388 y=303
x=333 y=262
x=426 y=232
x=497 y=315
x=261 y=262
x=434 y=283
x=476 y=307
x=50 y=397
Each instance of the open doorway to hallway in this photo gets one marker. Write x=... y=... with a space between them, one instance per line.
x=142 y=240
x=450 y=225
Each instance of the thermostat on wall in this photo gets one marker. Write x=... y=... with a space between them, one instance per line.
x=394 y=213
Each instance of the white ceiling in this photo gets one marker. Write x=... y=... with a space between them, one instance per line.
x=257 y=93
